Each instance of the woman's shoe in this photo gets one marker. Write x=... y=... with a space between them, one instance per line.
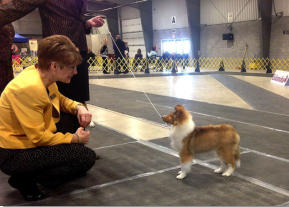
x=33 y=196
x=28 y=190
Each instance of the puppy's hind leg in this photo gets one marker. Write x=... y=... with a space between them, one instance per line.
x=237 y=156
x=230 y=160
x=221 y=168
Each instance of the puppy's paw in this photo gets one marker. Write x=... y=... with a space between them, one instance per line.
x=91 y=124
x=227 y=173
x=181 y=176
x=219 y=170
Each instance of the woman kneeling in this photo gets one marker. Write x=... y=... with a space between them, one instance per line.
x=31 y=149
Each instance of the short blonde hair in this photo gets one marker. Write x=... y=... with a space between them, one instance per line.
x=58 y=48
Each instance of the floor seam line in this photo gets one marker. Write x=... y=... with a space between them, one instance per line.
x=202 y=163
x=223 y=118
x=110 y=146
x=166 y=126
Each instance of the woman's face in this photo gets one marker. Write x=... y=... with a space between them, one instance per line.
x=65 y=73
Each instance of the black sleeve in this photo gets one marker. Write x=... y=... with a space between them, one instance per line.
x=16 y=9
x=102 y=50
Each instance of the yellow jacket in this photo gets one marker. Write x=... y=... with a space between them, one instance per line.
x=28 y=114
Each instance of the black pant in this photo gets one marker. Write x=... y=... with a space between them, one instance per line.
x=49 y=164
x=67 y=123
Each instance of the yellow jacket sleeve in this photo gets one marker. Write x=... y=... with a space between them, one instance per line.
x=67 y=105
x=29 y=110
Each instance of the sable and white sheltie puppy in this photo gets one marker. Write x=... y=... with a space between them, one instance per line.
x=188 y=139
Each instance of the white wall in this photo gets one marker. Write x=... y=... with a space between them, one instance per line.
x=129 y=13
x=132 y=31
x=30 y=24
x=281 y=6
x=164 y=10
x=216 y=11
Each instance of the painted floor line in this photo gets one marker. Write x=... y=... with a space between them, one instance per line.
x=249 y=179
x=223 y=118
x=95 y=187
x=208 y=165
x=129 y=116
x=123 y=180
x=253 y=180
x=167 y=126
x=173 y=153
x=266 y=155
x=284 y=204
x=115 y=145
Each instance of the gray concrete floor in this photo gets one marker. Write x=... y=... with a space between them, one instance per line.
x=142 y=172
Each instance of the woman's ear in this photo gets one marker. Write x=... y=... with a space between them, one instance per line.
x=53 y=66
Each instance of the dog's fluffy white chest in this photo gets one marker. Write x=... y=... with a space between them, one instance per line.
x=178 y=133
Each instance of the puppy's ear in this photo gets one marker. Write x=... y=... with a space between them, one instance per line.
x=179 y=107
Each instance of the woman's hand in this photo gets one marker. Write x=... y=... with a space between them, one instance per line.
x=81 y=136
x=83 y=116
x=95 y=22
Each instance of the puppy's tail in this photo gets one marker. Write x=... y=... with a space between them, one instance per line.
x=237 y=152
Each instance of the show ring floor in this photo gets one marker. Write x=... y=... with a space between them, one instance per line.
x=138 y=166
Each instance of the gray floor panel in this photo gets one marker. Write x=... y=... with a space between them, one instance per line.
x=262 y=140
x=123 y=158
x=116 y=163
x=251 y=136
x=266 y=101
x=269 y=170
x=201 y=187
x=134 y=104
x=101 y=137
x=176 y=74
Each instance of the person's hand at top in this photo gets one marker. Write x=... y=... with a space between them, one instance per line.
x=95 y=22
x=84 y=117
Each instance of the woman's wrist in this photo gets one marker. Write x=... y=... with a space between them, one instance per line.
x=76 y=108
x=76 y=138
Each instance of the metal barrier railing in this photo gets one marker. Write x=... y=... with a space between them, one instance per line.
x=158 y=64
